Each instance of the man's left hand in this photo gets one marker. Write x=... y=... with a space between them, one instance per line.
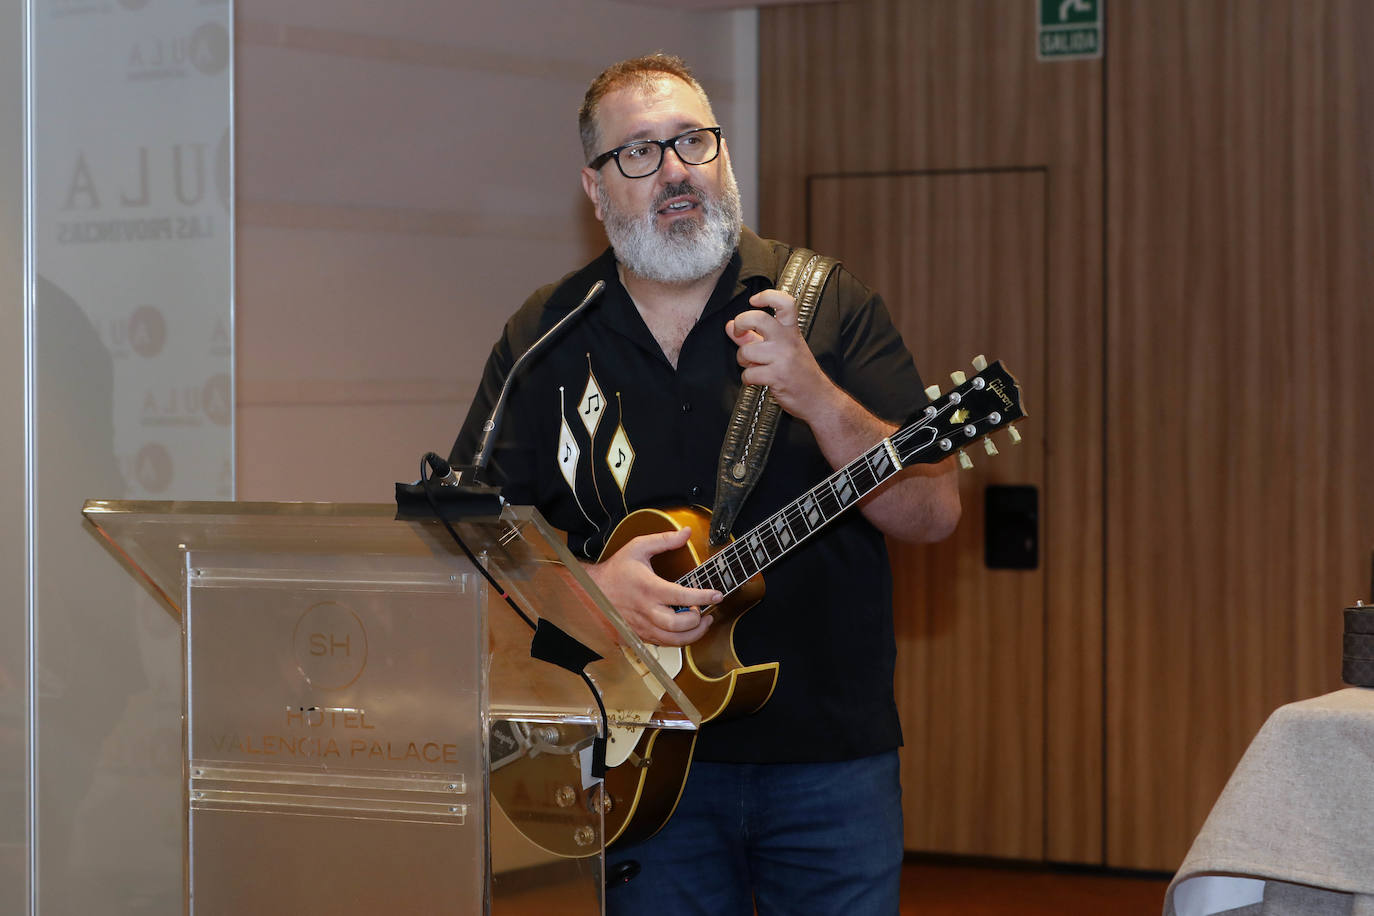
x=774 y=353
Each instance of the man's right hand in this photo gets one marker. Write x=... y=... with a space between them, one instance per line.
x=647 y=602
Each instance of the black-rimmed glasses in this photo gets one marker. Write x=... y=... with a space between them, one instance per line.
x=642 y=158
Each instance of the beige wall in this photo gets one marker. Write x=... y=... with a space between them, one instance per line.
x=407 y=174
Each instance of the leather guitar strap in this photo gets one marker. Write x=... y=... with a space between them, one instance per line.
x=749 y=437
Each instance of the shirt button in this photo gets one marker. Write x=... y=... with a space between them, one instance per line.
x=695 y=491
x=686 y=406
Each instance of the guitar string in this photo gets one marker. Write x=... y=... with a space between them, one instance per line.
x=732 y=555
x=735 y=554
x=825 y=498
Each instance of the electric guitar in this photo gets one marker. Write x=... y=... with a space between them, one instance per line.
x=647 y=767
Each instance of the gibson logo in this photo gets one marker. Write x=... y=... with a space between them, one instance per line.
x=999 y=388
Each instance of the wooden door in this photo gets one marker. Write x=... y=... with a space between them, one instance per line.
x=993 y=190
x=960 y=259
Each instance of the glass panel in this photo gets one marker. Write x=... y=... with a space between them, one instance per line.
x=525 y=554
x=132 y=247
x=336 y=661
x=335 y=733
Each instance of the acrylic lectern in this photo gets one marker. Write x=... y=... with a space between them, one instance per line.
x=353 y=687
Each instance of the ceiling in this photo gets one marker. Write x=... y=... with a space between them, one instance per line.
x=716 y=4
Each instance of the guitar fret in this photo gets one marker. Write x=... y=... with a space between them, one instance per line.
x=739 y=559
x=828 y=501
x=878 y=461
x=782 y=532
x=758 y=551
x=771 y=539
x=843 y=488
x=722 y=568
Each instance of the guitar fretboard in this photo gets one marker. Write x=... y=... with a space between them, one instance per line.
x=767 y=542
x=980 y=405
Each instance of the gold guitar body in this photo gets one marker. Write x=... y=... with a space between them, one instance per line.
x=644 y=791
x=541 y=793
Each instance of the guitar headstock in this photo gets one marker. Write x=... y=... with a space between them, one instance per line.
x=970 y=411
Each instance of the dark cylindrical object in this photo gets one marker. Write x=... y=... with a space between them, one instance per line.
x=1357 y=647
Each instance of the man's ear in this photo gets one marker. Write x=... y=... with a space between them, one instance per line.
x=589 y=180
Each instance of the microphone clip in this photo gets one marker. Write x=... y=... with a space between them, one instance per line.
x=446 y=494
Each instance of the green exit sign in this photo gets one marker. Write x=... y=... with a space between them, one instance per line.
x=1069 y=29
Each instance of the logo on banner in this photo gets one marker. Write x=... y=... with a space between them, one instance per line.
x=160 y=58
x=143 y=331
x=63 y=9
x=219 y=338
x=177 y=175
x=330 y=645
x=147 y=331
x=216 y=399
x=152 y=468
x=189 y=405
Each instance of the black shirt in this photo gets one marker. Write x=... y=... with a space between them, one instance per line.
x=602 y=424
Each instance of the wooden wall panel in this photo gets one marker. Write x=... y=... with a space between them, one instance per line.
x=1240 y=506
x=876 y=86
x=961 y=257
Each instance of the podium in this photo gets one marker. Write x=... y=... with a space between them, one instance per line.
x=353 y=690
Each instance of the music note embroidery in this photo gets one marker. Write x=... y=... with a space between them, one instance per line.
x=620 y=457
x=568 y=454
x=592 y=405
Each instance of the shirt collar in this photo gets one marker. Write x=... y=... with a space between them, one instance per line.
x=752 y=268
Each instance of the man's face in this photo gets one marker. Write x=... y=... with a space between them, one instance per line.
x=682 y=222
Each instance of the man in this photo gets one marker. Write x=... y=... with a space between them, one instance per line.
x=796 y=808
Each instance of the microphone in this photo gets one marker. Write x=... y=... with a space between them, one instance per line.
x=483 y=454
x=460 y=490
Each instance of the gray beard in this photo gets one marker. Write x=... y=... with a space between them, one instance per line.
x=687 y=250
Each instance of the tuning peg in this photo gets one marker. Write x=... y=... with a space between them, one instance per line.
x=990 y=447
x=980 y=362
x=933 y=392
x=1015 y=435
x=965 y=461
x=958 y=377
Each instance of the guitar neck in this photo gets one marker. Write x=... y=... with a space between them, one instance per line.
x=770 y=540
x=977 y=407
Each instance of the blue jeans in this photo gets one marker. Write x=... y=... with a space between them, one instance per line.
x=796 y=839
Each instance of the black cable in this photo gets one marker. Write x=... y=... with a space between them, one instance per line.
x=427 y=483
